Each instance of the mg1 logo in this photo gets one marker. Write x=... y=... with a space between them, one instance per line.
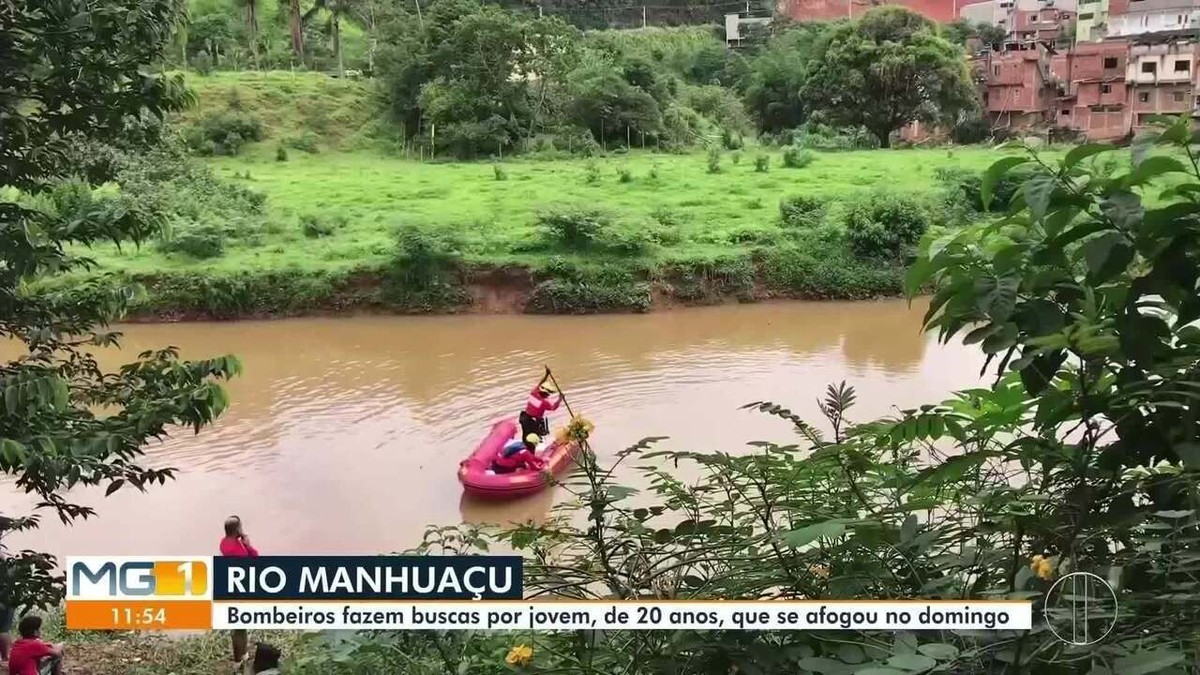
x=95 y=577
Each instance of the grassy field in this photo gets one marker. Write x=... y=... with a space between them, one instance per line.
x=365 y=195
x=338 y=185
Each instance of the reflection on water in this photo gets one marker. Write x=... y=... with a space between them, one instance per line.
x=345 y=433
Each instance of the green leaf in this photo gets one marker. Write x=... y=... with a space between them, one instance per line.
x=1082 y=152
x=1038 y=191
x=909 y=529
x=1107 y=255
x=809 y=534
x=1152 y=167
x=1124 y=209
x=1147 y=662
x=917 y=275
x=817 y=664
x=993 y=175
x=1189 y=453
x=851 y=654
x=915 y=662
x=1002 y=340
x=939 y=650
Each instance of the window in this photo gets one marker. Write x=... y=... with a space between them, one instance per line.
x=1149 y=67
x=1065 y=112
x=1110 y=62
x=1178 y=96
x=1144 y=97
x=1106 y=89
x=996 y=70
x=1183 y=66
x=1085 y=16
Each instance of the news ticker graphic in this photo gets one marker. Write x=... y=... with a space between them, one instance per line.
x=441 y=593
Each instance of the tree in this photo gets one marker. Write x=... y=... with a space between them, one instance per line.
x=471 y=79
x=251 y=9
x=64 y=422
x=888 y=69
x=962 y=30
x=778 y=71
x=297 y=28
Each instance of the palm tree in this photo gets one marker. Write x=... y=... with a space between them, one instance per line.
x=338 y=10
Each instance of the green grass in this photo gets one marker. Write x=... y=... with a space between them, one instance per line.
x=367 y=194
x=340 y=113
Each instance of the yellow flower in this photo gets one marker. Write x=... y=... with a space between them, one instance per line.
x=819 y=570
x=519 y=655
x=1041 y=566
x=577 y=429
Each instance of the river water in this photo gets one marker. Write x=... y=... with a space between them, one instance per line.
x=344 y=434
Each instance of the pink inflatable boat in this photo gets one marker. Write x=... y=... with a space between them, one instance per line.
x=477 y=480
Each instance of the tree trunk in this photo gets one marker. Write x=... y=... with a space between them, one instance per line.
x=884 y=136
x=252 y=28
x=297 y=31
x=337 y=44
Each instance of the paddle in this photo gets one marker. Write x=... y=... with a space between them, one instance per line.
x=561 y=393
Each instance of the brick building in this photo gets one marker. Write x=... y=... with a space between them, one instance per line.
x=941 y=11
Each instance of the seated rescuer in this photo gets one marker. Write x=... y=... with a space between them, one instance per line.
x=29 y=655
x=533 y=417
x=518 y=455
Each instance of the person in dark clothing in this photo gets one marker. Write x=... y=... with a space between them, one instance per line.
x=533 y=417
x=266 y=659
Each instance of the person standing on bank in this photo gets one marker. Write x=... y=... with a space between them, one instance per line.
x=533 y=417
x=236 y=544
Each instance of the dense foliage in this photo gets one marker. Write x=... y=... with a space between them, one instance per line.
x=65 y=422
x=1080 y=457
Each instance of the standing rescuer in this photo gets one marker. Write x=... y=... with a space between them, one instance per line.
x=236 y=544
x=533 y=417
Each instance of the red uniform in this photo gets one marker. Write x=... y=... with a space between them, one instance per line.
x=236 y=548
x=24 y=655
x=538 y=404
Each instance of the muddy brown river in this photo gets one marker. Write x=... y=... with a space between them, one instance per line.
x=344 y=434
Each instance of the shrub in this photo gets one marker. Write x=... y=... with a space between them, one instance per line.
x=589 y=229
x=802 y=211
x=731 y=140
x=762 y=163
x=281 y=154
x=736 y=157
x=625 y=175
x=574 y=229
x=714 y=160
x=885 y=225
x=654 y=172
x=202 y=63
x=591 y=173
x=821 y=271
x=797 y=158
x=499 y=173
x=307 y=142
x=315 y=226
x=202 y=242
x=588 y=296
x=576 y=141
x=223 y=133
x=965 y=186
x=423 y=274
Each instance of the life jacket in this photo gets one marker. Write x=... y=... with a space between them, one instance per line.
x=537 y=405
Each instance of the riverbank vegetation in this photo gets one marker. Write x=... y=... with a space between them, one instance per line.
x=685 y=159
x=1080 y=456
